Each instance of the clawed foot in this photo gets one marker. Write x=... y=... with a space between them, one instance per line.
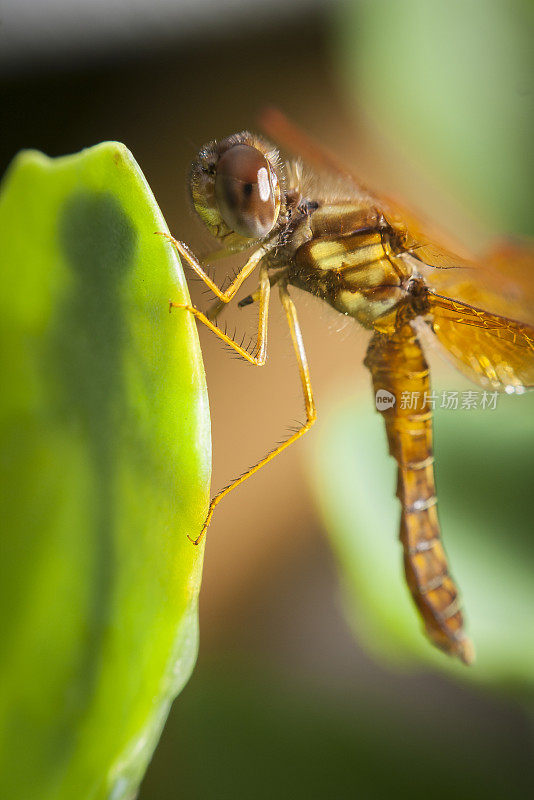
x=186 y=306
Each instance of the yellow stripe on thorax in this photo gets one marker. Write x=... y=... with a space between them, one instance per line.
x=347 y=251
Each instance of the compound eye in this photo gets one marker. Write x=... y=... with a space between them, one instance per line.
x=245 y=190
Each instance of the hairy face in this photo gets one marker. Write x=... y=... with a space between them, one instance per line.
x=236 y=189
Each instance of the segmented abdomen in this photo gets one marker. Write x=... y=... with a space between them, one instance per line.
x=398 y=365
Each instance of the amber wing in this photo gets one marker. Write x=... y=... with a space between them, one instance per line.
x=397 y=364
x=494 y=351
x=428 y=240
x=483 y=315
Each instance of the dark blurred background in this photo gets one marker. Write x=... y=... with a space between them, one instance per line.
x=284 y=700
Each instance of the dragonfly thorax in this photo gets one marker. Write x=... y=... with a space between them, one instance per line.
x=343 y=254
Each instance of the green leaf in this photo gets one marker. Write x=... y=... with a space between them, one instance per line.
x=484 y=482
x=105 y=470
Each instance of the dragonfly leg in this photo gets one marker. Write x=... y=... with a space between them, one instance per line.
x=215 y=309
x=253 y=298
x=260 y=352
x=302 y=361
x=195 y=265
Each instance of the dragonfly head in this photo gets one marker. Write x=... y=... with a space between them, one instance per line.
x=236 y=187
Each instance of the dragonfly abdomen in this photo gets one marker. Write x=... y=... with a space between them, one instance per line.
x=398 y=366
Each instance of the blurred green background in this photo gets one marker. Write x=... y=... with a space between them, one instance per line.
x=306 y=685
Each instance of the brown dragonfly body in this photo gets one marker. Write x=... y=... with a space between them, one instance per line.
x=338 y=241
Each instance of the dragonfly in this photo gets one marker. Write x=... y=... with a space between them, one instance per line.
x=306 y=222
